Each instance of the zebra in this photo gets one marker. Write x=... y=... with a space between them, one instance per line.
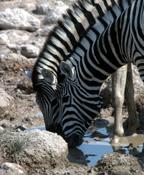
x=97 y=57
x=62 y=41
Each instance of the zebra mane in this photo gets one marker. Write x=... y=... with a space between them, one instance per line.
x=78 y=20
x=66 y=35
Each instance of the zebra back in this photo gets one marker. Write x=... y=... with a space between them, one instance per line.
x=65 y=37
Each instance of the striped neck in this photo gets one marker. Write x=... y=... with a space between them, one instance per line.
x=67 y=34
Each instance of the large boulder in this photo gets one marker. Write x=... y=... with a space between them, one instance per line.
x=17 y=18
x=39 y=152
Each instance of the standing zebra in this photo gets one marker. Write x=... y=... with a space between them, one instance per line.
x=62 y=41
x=96 y=57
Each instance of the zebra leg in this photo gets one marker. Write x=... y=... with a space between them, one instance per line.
x=133 y=121
x=118 y=89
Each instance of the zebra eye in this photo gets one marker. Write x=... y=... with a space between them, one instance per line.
x=67 y=70
x=48 y=76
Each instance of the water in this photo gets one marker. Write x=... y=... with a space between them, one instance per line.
x=98 y=143
x=93 y=149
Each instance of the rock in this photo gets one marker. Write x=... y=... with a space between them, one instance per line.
x=118 y=164
x=42 y=9
x=25 y=85
x=17 y=18
x=45 y=30
x=3 y=38
x=30 y=51
x=8 y=168
x=138 y=83
x=55 y=12
x=6 y=102
x=47 y=8
x=1 y=129
x=5 y=124
x=20 y=128
x=106 y=93
x=15 y=62
x=28 y=6
x=13 y=37
x=39 y=152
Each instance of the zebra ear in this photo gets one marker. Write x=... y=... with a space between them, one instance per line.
x=66 y=69
x=48 y=76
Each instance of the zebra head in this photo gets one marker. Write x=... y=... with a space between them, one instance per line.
x=76 y=116
x=73 y=126
x=44 y=83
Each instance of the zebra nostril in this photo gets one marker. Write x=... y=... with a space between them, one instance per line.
x=74 y=140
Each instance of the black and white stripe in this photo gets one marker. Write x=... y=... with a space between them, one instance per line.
x=65 y=36
x=63 y=40
x=105 y=48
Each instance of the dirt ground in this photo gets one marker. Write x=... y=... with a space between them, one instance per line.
x=18 y=85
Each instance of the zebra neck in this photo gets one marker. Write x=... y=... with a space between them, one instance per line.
x=67 y=34
x=111 y=49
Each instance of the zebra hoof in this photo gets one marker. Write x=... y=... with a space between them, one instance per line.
x=74 y=140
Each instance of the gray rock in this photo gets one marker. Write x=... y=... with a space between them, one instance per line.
x=45 y=30
x=55 y=12
x=8 y=168
x=138 y=83
x=1 y=129
x=6 y=102
x=3 y=38
x=30 y=51
x=58 y=7
x=13 y=39
x=29 y=6
x=42 y=9
x=6 y=123
x=38 y=151
x=17 y=18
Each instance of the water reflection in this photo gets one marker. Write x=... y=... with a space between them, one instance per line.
x=97 y=142
x=93 y=148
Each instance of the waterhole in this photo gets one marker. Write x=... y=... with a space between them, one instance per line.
x=94 y=148
x=97 y=143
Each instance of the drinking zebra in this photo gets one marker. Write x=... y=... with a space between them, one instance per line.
x=50 y=94
x=59 y=44
x=96 y=57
